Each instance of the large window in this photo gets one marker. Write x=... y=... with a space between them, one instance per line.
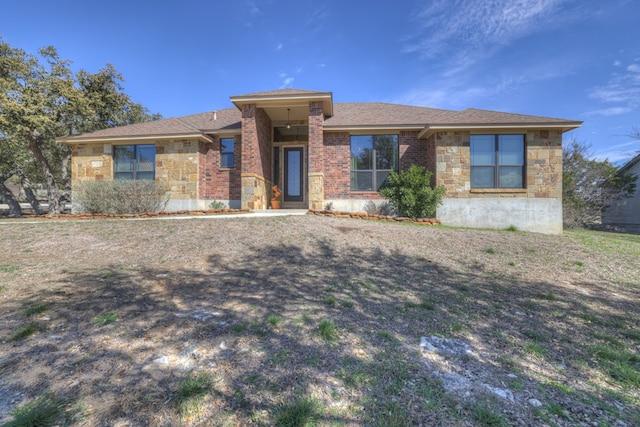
x=226 y=152
x=497 y=161
x=134 y=161
x=373 y=157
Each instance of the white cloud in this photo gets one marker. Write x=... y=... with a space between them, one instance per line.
x=622 y=89
x=253 y=8
x=617 y=63
x=612 y=111
x=286 y=82
x=279 y=47
x=468 y=30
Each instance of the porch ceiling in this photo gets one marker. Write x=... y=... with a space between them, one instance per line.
x=275 y=104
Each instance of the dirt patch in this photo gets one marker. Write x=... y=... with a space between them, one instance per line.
x=241 y=302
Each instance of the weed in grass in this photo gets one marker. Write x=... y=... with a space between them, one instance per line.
x=28 y=329
x=274 y=320
x=346 y=304
x=105 y=318
x=490 y=251
x=26 y=251
x=281 y=357
x=512 y=228
x=327 y=330
x=330 y=300
x=303 y=412
x=536 y=350
x=456 y=327
x=633 y=334
x=578 y=263
x=35 y=309
x=2 y=288
x=354 y=376
x=512 y=263
x=485 y=415
x=392 y=414
x=238 y=328
x=535 y=335
x=191 y=394
x=387 y=336
x=9 y=268
x=557 y=410
x=549 y=296
x=507 y=361
x=47 y=410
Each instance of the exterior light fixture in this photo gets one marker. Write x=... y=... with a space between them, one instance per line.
x=288 y=118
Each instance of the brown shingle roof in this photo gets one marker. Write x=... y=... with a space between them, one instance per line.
x=476 y=116
x=345 y=115
x=381 y=114
x=228 y=118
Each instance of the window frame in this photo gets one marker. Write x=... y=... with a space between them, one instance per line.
x=497 y=166
x=374 y=170
x=135 y=162
x=226 y=154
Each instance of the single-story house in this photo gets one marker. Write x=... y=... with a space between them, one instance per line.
x=499 y=169
x=624 y=214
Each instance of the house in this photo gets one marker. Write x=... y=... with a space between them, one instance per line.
x=624 y=214
x=499 y=169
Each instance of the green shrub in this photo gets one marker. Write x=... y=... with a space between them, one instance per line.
x=120 y=196
x=411 y=193
x=216 y=204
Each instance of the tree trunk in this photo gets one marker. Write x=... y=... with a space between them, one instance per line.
x=28 y=192
x=14 y=207
x=53 y=194
x=65 y=180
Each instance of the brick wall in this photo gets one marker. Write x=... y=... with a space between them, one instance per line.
x=337 y=163
x=543 y=166
x=216 y=182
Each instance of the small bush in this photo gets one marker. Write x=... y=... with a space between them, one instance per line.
x=216 y=204
x=120 y=197
x=47 y=410
x=410 y=192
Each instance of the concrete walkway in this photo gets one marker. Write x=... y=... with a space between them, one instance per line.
x=252 y=214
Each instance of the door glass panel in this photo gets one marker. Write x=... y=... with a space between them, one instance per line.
x=293 y=171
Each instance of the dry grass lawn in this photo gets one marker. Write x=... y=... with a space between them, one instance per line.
x=315 y=321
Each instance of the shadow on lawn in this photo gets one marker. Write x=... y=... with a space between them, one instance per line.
x=214 y=318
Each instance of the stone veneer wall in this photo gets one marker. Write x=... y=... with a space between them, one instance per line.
x=176 y=167
x=537 y=208
x=316 y=155
x=218 y=183
x=337 y=163
x=543 y=166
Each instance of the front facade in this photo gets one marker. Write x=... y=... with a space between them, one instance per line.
x=499 y=169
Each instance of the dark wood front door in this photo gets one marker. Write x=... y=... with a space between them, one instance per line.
x=293 y=174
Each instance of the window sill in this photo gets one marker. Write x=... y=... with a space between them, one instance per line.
x=498 y=190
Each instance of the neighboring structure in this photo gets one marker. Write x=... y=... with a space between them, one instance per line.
x=499 y=169
x=625 y=213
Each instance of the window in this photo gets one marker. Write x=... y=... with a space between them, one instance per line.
x=497 y=161
x=373 y=157
x=134 y=161
x=226 y=152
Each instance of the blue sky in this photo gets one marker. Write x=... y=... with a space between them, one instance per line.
x=573 y=59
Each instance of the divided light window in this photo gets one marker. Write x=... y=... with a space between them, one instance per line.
x=134 y=161
x=226 y=152
x=373 y=157
x=497 y=161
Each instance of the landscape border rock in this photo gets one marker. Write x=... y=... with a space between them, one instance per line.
x=139 y=215
x=373 y=217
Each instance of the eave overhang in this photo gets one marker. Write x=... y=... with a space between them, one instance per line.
x=72 y=140
x=429 y=130
x=288 y=100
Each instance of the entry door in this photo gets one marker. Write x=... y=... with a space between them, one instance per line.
x=293 y=176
